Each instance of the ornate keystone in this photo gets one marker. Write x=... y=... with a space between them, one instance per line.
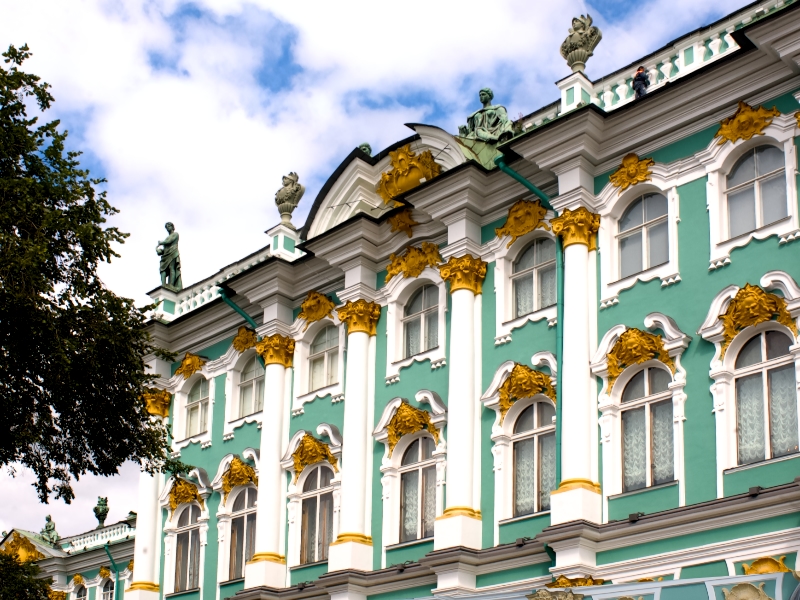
x=183 y=492
x=104 y=573
x=361 y=316
x=562 y=581
x=633 y=348
x=238 y=473
x=157 y=401
x=752 y=306
x=276 y=350
x=464 y=273
x=190 y=364
x=244 y=340
x=315 y=307
x=577 y=226
x=413 y=261
x=745 y=123
x=765 y=565
x=631 y=171
x=310 y=451
x=408 y=170
x=523 y=217
x=523 y=382
x=408 y=419
x=403 y=221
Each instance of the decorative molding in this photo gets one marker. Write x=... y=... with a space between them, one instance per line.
x=577 y=226
x=238 y=473
x=310 y=451
x=413 y=261
x=408 y=419
x=403 y=221
x=554 y=595
x=766 y=564
x=563 y=581
x=157 y=401
x=745 y=123
x=56 y=595
x=523 y=217
x=315 y=307
x=77 y=579
x=632 y=171
x=464 y=273
x=408 y=170
x=244 y=340
x=104 y=573
x=190 y=364
x=523 y=382
x=746 y=591
x=183 y=492
x=752 y=306
x=635 y=347
x=360 y=316
x=276 y=350
x=21 y=547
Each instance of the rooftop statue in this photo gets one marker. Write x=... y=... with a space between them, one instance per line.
x=49 y=532
x=580 y=43
x=365 y=148
x=489 y=124
x=170 y=266
x=288 y=197
x=101 y=511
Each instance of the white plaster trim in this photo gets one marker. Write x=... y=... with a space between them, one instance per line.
x=234 y=366
x=302 y=349
x=180 y=388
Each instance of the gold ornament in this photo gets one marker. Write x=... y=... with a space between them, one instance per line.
x=407 y=172
x=554 y=595
x=752 y=306
x=577 y=226
x=54 y=595
x=403 y=221
x=764 y=565
x=311 y=451
x=356 y=538
x=77 y=579
x=464 y=273
x=269 y=557
x=244 y=340
x=633 y=348
x=238 y=473
x=565 y=582
x=413 y=261
x=631 y=172
x=22 y=548
x=157 y=401
x=147 y=586
x=523 y=217
x=130 y=566
x=276 y=350
x=745 y=123
x=523 y=382
x=315 y=307
x=361 y=316
x=183 y=492
x=104 y=572
x=746 y=591
x=190 y=364
x=408 y=419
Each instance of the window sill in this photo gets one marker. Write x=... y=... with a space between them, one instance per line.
x=230 y=581
x=541 y=513
x=181 y=593
x=304 y=565
x=644 y=489
x=409 y=543
x=638 y=274
x=196 y=437
x=760 y=463
x=742 y=236
x=415 y=356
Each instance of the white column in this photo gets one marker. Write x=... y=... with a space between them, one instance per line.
x=145 y=551
x=353 y=546
x=268 y=565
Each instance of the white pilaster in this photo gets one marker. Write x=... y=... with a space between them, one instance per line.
x=145 y=553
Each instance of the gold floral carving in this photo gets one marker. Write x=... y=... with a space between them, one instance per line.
x=276 y=350
x=183 y=492
x=752 y=306
x=523 y=382
x=238 y=473
x=746 y=591
x=54 y=595
x=632 y=171
x=130 y=566
x=244 y=340
x=157 y=401
x=562 y=581
x=408 y=419
x=315 y=307
x=764 y=565
x=311 y=451
x=22 y=548
x=577 y=226
x=633 y=348
x=745 y=123
x=361 y=316
x=464 y=273
x=77 y=579
x=190 y=364
x=104 y=572
x=523 y=217
x=413 y=261
x=407 y=172
x=403 y=221
x=554 y=595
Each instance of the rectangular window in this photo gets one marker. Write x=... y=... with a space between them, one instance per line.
x=236 y=569
x=547 y=469
x=750 y=419
x=783 y=411
x=634 y=450
x=325 y=525
x=742 y=211
x=431 y=330
x=662 y=450
x=413 y=336
x=309 y=528
x=428 y=501
x=409 y=505
x=318 y=372
x=630 y=249
x=524 y=473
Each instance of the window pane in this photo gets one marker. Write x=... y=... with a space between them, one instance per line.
x=662 y=448
x=333 y=366
x=194 y=559
x=630 y=254
x=409 y=509
x=777 y=344
x=320 y=342
x=773 y=199
x=192 y=421
x=655 y=206
x=252 y=496
x=750 y=354
x=745 y=170
x=195 y=514
x=427 y=447
x=524 y=477
x=250 y=538
x=658 y=244
x=204 y=388
x=547 y=469
x=428 y=500
x=782 y=411
x=635 y=388
x=634 y=459
x=431 y=330
x=431 y=296
x=411 y=454
x=659 y=380
x=311 y=480
x=183 y=520
x=325 y=477
x=182 y=562
x=526 y=260
x=204 y=416
x=413 y=337
x=524 y=420
x=195 y=394
x=308 y=531
x=632 y=217
x=750 y=419
x=523 y=295
x=325 y=525
x=238 y=504
x=547 y=287
x=546 y=413
x=415 y=304
x=259 y=395
x=252 y=370
x=317 y=372
x=332 y=334
x=768 y=159
x=246 y=400
x=742 y=211
x=236 y=569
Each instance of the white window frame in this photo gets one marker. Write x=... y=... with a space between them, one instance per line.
x=508 y=424
x=181 y=387
x=327 y=371
x=643 y=231
x=423 y=315
x=201 y=406
x=101 y=594
x=418 y=466
x=722 y=370
x=610 y=404
x=301 y=367
x=391 y=467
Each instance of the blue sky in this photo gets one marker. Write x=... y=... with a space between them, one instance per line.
x=194 y=110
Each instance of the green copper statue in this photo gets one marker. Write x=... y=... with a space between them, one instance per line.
x=49 y=532
x=365 y=148
x=489 y=124
x=170 y=266
x=101 y=510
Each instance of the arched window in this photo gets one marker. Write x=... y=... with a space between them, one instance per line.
x=535 y=278
x=647 y=431
x=317 y=522
x=756 y=190
x=417 y=490
x=80 y=593
x=324 y=358
x=766 y=398
x=197 y=409
x=187 y=554
x=643 y=235
x=251 y=388
x=108 y=590
x=534 y=442
x=243 y=532
x=421 y=321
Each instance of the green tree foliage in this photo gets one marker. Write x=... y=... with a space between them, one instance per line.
x=18 y=581
x=71 y=368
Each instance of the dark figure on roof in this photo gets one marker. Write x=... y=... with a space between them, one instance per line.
x=641 y=81
x=49 y=532
x=170 y=266
x=488 y=124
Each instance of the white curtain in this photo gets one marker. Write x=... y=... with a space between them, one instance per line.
x=428 y=501
x=783 y=411
x=634 y=459
x=547 y=287
x=523 y=295
x=547 y=469
x=663 y=457
x=750 y=418
x=409 y=509
x=524 y=477
x=413 y=337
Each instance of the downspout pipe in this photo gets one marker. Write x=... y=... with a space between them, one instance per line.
x=244 y=315
x=545 y=199
x=116 y=572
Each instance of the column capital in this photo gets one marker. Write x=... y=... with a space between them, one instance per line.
x=464 y=273
x=276 y=350
x=577 y=226
x=361 y=316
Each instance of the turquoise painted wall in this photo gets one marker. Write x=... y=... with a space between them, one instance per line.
x=765 y=475
x=529 y=527
x=526 y=572
x=307 y=572
x=711 y=569
x=646 y=501
x=413 y=552
x=406 y=594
